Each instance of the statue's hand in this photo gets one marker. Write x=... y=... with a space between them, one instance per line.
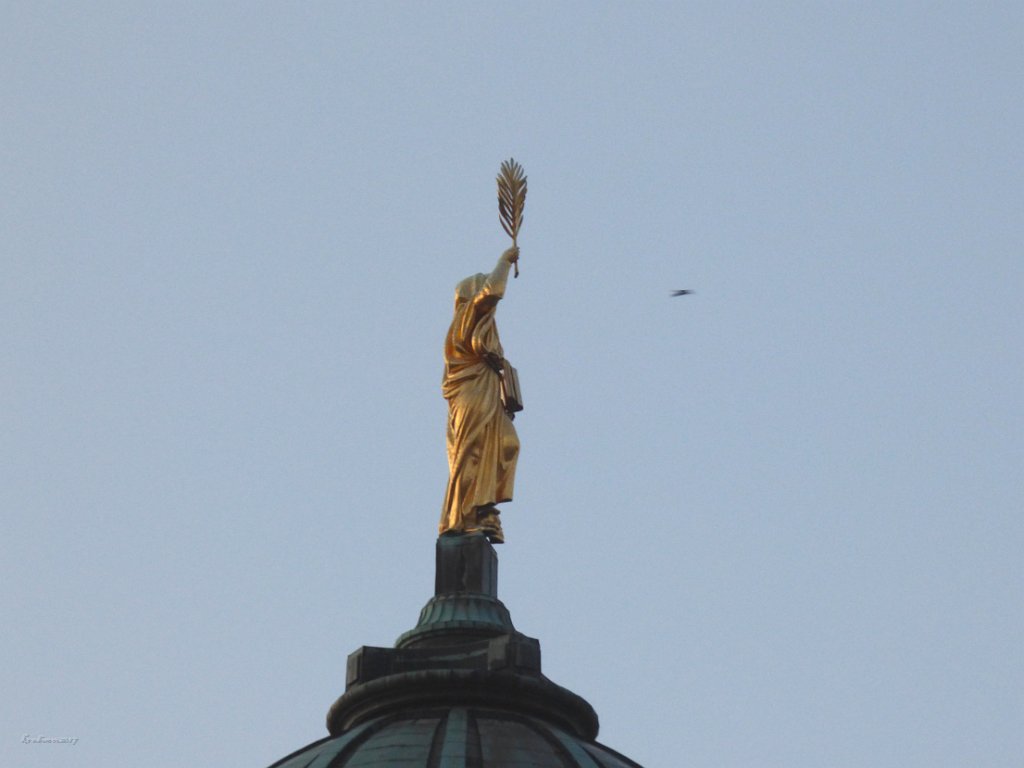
x=511 y=255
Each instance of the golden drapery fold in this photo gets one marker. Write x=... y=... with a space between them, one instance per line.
x=482 y=443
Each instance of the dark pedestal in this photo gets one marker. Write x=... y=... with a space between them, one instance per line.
x=466 y=564
x=465 y=606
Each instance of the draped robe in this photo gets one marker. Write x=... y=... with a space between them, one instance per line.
x=482 y=442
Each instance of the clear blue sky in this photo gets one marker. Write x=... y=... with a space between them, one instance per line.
x=775 y=523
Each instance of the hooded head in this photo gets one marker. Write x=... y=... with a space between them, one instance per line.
x=469 y=287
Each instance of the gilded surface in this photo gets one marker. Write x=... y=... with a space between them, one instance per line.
x=482 y=441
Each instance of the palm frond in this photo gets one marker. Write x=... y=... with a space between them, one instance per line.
x=511 y=197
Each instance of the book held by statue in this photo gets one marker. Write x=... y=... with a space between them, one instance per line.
x=511 y=396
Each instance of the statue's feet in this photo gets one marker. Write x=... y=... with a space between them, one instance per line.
x=489 y=524
x=495 y=536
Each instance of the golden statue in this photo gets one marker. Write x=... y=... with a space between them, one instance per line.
x=482 y=396
x=481 y=388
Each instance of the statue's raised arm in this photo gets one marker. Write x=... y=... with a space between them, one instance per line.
x=482 y=396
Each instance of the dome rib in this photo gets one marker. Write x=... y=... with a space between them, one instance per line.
x=573 y=753
x=438 y=742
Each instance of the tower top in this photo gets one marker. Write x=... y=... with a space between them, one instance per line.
x=462 y=688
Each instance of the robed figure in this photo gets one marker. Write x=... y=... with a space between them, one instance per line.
x=482 y=441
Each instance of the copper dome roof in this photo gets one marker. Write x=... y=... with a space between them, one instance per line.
x=457 y=737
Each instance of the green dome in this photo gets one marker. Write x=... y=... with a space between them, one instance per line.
x=456 y=737
x=462 y=689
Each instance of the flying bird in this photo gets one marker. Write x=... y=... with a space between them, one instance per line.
x=680 y=293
